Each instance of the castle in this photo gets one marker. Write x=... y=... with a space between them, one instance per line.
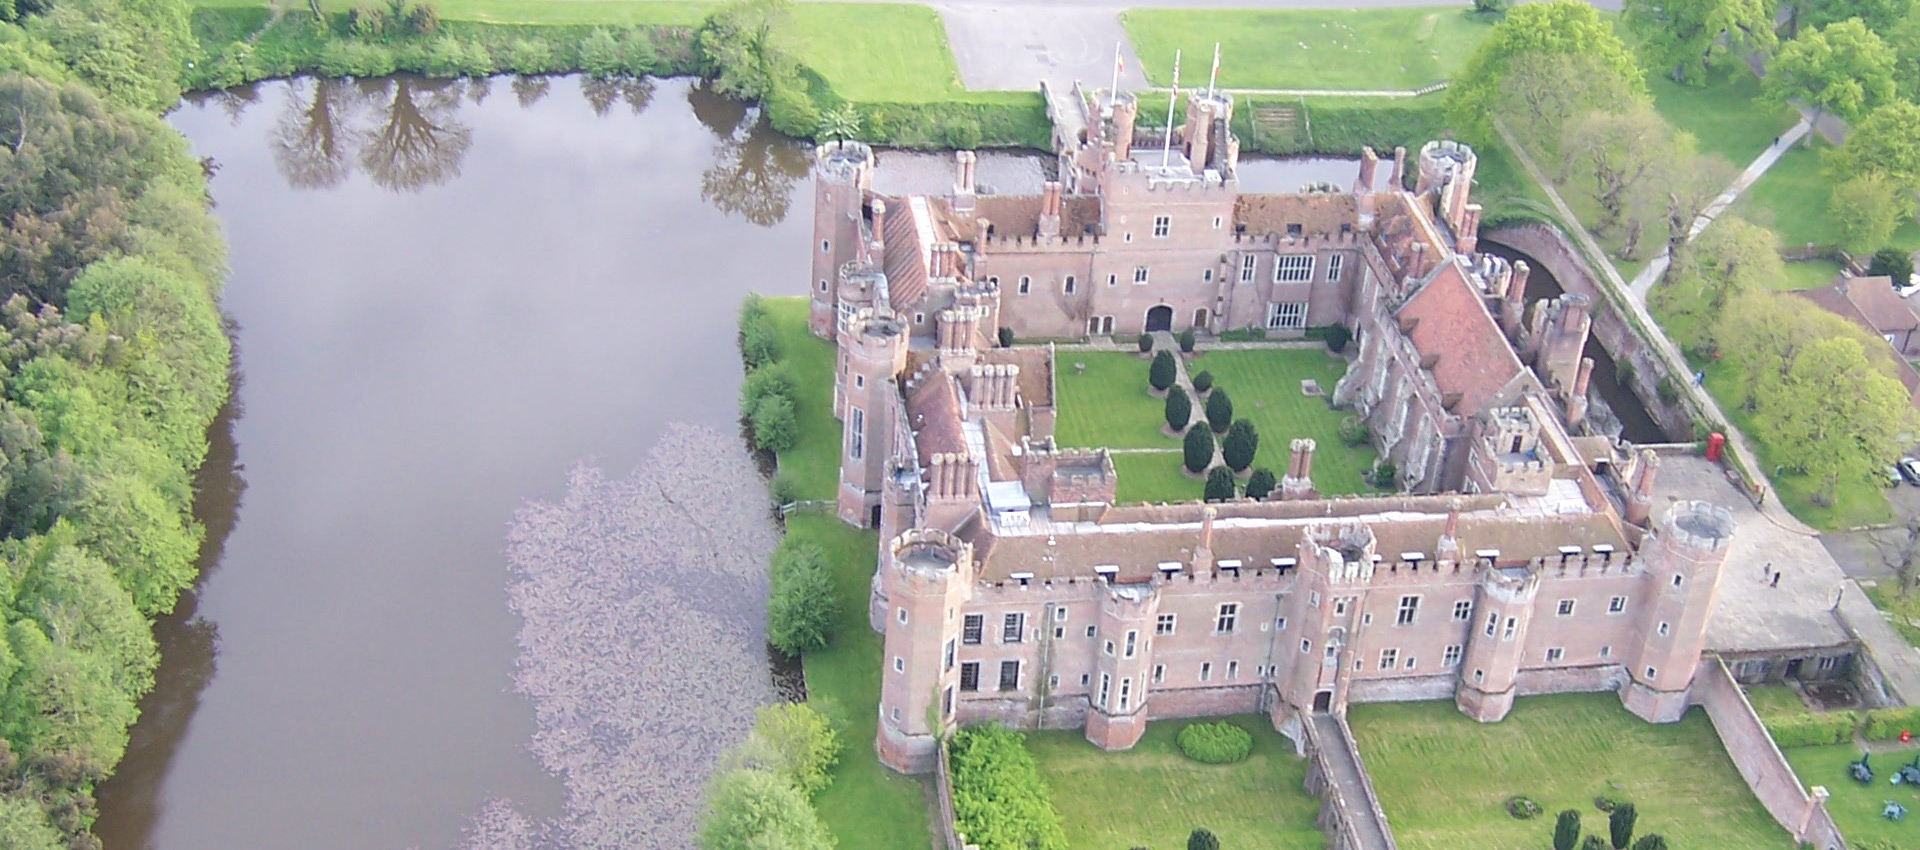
x=1522 y=556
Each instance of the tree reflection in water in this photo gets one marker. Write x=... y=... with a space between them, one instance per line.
x=529 y=90
x=754 y=168
x=314 y=141
x=421 y=142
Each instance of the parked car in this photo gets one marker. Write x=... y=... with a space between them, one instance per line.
x=1910 y=470
x=1893 y=476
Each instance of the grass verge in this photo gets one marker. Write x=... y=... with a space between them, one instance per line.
x=1345 y=49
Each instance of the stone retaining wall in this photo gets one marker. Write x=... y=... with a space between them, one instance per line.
x=1759 y=761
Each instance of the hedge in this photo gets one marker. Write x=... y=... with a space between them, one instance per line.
x=1812 y=730
x=999 y=800
x=1215 y=743
x=1344 y=125
x=1886 y=724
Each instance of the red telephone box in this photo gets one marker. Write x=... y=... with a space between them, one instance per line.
x=1716 y=441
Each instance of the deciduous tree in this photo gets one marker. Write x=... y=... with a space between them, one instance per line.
x=756 y=810
x=1842 y=416
x=1879 y=15
x=792 y=741
x=1886 y=141
x=1866 y=208
x=801 y=608
x=1686 y=39
x=1560 y=27
x=1550 y=89
x=743 y=48
x=1841 y=69
x=1623 y=152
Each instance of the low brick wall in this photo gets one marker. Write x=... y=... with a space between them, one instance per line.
x=1759 y=760
x=943 y=789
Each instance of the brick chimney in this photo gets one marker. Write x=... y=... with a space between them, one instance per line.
x=1298 y=483
x=1467 y=240
x=1640 y=501
x=1050 y=210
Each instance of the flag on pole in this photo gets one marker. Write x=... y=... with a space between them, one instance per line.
x=1119 y=64
x=1216 y=70
x=1166 y=146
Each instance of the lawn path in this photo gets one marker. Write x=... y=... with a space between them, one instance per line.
x=1643 y=282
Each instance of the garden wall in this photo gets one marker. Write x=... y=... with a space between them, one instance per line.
x=1759 y=760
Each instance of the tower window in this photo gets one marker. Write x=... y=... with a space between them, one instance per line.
x=1451 y=658
x=1651 y=672
x=1664 y=629
x=1565 y=608
x=856 y=434
x=970 y=675
x=1554 y=654
x=1162 y=225
x=1159 y=673
x=1126 y=694
x=1617 y=605
x=1026 y=284
x=970 y=628
x=1409 y=609
x=1206 y=670
x=1132 y=638
x=1676 y=579
x=1228 y=616
x=825 y=246
x=1013 y=628
x=1493 y=622
x=1217 y=221
x=1164 y=624
x=1506 y=634
x=1233 y=670
x=1067 y=286
x=1462 y=610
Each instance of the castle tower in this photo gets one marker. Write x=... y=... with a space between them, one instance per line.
x=1497 y=642
x=873 y=352
x=1335 y=568
x=1117 y=700
x=1125 y=110
x=1446 y=179
x=1682 y=559
x=844 y=174
x=925 y=575
x=1208 y=141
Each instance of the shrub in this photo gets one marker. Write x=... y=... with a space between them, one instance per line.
x=600 y=54
x=792 y=741
x=638 y=52
x=999 y=800
x=774 y=425
x=1522 y=807
x=529 y=57
x=367 y=21
x=1163 y=371
x=1203 y=382
x=1179 y=409
x=1593 y=842
x=1489 y=6
x=1238 y=448
x=1219 y=411
x=1620 y=825
x=446 y=58
x=1812 y=730
x=1337 y=338
x=1651 y=841
x=790 y=110
x=770 y=380
x=1146 y=343
x=1186 y=341
x=759 y=345
x=1566 y=830
x=1260 y=484
x=423 y=19
x=784 y=488
x=1201 y=839
x=1354 y=432
x=963 y=133
x=1893 y=263
x=1886 y=724
x=800 y=603
x=1006 y=337
x=1219 y=485
x=1198 y=449
x=754 y=808
x=355 y=59
x=1383 y=474
x=1215 y=743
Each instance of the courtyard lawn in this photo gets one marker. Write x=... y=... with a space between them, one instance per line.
x=867 y=807
x=1107 y=405
x=1855 y=807
x=1345 y=49
x=1153 y=796
x=1154 y=478
x=1265 y=387
x=1775 y=700
x=1723 y=115
x=1443 y=778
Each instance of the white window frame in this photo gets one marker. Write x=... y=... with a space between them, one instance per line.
x=1463 y=610
x=1013 y=627
x=1226 y=618
x=1451 y=657
x=1162 y=225
x=1026 y=284
x=1293 y=268
x=1617 y=605
x=1248 y=265
x=1334 y=266
x=1165 y=624
x=1068 y=285
x=1286 y=315
x=1555 y=654
x=1564 y=608
x=1408 y=612
x=1390 y=658
x=857 y=433
x=1140 y=275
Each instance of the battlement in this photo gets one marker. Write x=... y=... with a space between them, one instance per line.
x=1699 y=525
x=929 y=550
x=1264 y=579
x=1274 y=240
x=844 y=162
x=1039 y=245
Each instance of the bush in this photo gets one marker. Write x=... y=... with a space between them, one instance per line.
x=446 y=58
x=1593 y=842
x=1219 y=411
x=1179 y=409
x=1260 y=484
x=770 y=380
x=759 y=345
x=1812 y=730
x=423 y=19
x=754 y=808
x=1006 y=337
x=1198 y=449
x=1893 y=263
x=999 y=800
x=1354 y=432
x=1489 y=6
x=1620 y=825
x=1238 y=448
x=1186 y=341
x=1215 y=743
x=1521 y=807
x=1337 y=338
x=1146 y=343
x=600 y=55
x=367 y=21
x=1163 y=371
x=784 y=488
x=1203 y=382
x=792 y=741
x=1651 y=841
x=1566 y=829
x=530 y=57
x=800 y=604
x=774 y=425
x=963 y=133
x=1219 y=485
x=791 y=111
x=1201 y=839
x=1886 y=724
x=1383 y=475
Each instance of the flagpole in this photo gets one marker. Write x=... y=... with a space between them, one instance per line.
x=1216 y=70
x=1166 y=147
x=1113 y=91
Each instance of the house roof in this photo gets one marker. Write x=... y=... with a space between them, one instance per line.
x=1869 y=302
x=1459 y=342
x=933 y=412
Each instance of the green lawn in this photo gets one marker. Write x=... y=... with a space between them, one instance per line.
x=868 y=807
x=877 y=53
x=1153 y=796
x=539 y=12
x=1855 y=807
x=1792 y=198
x=1722 y=115
x=1902 y=611
x=1442 y=778
x=1107 y=405
x=1265 y=388
x=1154 y=478
x=1345 y=49
x=1775 y=700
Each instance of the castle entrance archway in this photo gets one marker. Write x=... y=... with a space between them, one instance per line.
x=1323 y=701
x=1160 y=319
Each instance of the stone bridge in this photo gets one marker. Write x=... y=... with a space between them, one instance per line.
x=1349 y=812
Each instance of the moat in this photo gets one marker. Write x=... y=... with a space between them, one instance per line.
x=444 y=295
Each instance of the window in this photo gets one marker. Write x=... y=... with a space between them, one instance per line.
x=1279 y=624
x=1409 y=609
x=1126 y=694
x=1293 y=268
x=1139 y=274
x=1651 y=672
x=1108 y=648
x=969 y=675
x=946 y=702
x=1162 y=224
x=1233 y=670
x=1083 y=680
x=1313 y=598
x=1410 y=662
x=1013 y=628
x=1606 y=652
x=970 y=627
x=1493 y=622
x=894 y=713
x=1286 y=314
x=901 y=615
x=856 y=433
x=859 y=382
x=1089 y=631
x=1217 y=222
x=899 y=664
x=1053 y=682
x=1479 y=676
x=1026 y=284
x=1127 y=236
x=1163 y=625
x=1462 y=610
x=919 y=318
x=1060 y=614
x=1132 y=636
x=993 y=279
x=1067 y=286
x=1664 y=629
x=1340 y=606
x=1294 y=229
x=1333 y=266
x=1827 y=662
x=1617 y=605
x=1554 y=654
x=947 y=664
x=1059 y=633
x=1676 y=580
x=1206 y=670
x=1565 y=609
x=1306 y=645
x=1389 y=658
x=1229 y=614
x=825 y=246
x=1112 y=279
x=1506 y=634
x=823 y=285
x=1247 y=264
x=1106 y=684
x=1451 y=658
x=1206 y=275
x=1159 y=673
x=1009 y=675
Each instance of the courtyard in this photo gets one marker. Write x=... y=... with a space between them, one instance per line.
x=1443 y=778
x=1855 y=807
x=1154 y=796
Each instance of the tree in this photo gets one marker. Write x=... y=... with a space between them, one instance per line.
x=756 y=810
x=792 y=741
x=1220 y=485
x=1867 y=208
x=840 y=122
x=1763 y=333
x=132 y=51
x=1201 y=839
x=1887 y=141
x=769 y=380
x=1241 y=443
x=1203 y=382
x=1893 y=263
x=1729 y=259
x=1620 y=823
x=1260 y=484
x=742 y=47
x=1593 y=842
x=1651 y=841
x=1623 y=152
x=1688 y=38
x=1842 y=416
x=1691 y=187
x=1566 y=830
x=774 y=425
x=1163 y=371
x=1561 y=27
x=1219 y=411
x=1554 y=88
x=1842 y=69
x=801 y=608
x=1179 y=409
x=1197 y=451
x=1186 y=339
x=600 y=54
x=1904 y=38
x=1879 y=15
x=24 y=826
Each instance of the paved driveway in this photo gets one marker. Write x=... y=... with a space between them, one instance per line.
x=1017 y=45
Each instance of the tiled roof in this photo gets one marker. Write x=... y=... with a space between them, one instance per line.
x=906 y=255
x=1459 y=342
x=933 y=412
x=1869 y=301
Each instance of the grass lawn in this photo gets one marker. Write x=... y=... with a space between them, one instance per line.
x=868 y=807
x=1855 y=807
x=1154 y=478
x=1723 y=115
x=539 y=12
x=1775 y=700
x=1345 y=49
x=1153 y=796
x=1107 y=405
x=1792 y=198
x=1443 y=778
x=1265 y=388
x=877 y=53
x=1902 y=611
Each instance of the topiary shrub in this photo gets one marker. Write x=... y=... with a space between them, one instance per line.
x=1201 y=839
x=1186 y=341
x=1219 y=411
x=1593 y=842
x=1203 y=382
x=800 y=603
x=1238 y=448
x=1179 y=409
x=1383 y=475
x=1163 y=371
x=1566 y=829
x=1219 y=485
x=1198 y=449
x=1215 y=743
x=1337 y=338
x=1006 y=337
x=1620 y=825
x=1655 y=841
x=1522 y=807
x=1146 y=343
x=1260 y=484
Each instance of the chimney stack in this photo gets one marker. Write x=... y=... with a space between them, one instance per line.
x=1467 y=241
x=1399 y=170
x=1050 y=210
x=1298 y=484
x=1577 y=399
x=1640 y=501
x=1369 y=164
x=964 y=185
